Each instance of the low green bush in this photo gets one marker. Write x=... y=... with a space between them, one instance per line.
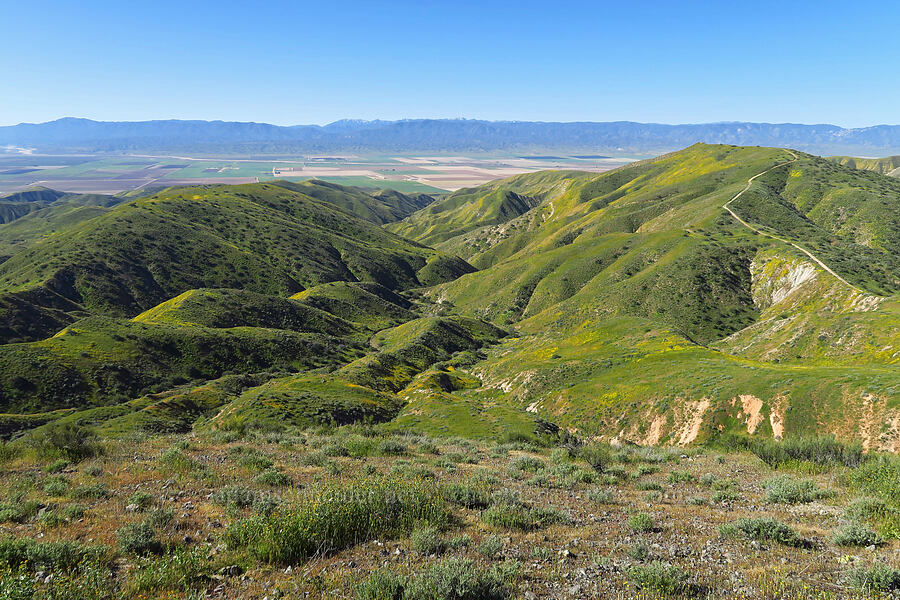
x=138 y=538
x=596 y=455
x=641 y=522
x=661 y=577
x=879 y=578
x=786 y=489
x=466 y=495
x=179 y=571
x=52 y=556
x=523 y=518
x=452 y=579
x=763 y=529
x=491 y=546
x=681 y=477
x=56 y=486
x=855 y=535
x=273 y=478
x=65 y=440
x=339 y=516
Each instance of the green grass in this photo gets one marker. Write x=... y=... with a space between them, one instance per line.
x=337 y=517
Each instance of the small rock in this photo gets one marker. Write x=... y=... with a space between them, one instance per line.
x=132 y=508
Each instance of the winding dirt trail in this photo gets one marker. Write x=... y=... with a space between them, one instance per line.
x=812 y=256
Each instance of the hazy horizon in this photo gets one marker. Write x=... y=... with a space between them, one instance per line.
x=693 y=62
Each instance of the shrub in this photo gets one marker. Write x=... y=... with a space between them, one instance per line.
x=785 y=489
x=507 y=496
x=639 y=552
x=491 y=546
x=95 y=491
x=526 y=463
x=391 y=448
x=524 y=518
x=381 y=585
x=427 y=540
x=138 y=538
x=273 y=478
x=56 y=486
x=763 y=529
x=55 y=556
x=724 y=495
x=648 y=486
x=452 y=579
x=457 y=579
x=255 y=462
x=641 y=522
x=855 y=535
x=174 y=460
x=65 y=440
x=645 y=470
x=596 y=455
x=161 y=517
x=337 y=517
x=180 y=571
x=93 y=470
x=17 y=511
x=560 y=456
x=141 y=499
x=601 y=496
x=866 y=509
x=681 y=477
x=56 y=466
x=236 y=496
x=878 y=578
x=824 y=451
x=74 y=511
x=879 y=477
x=661 y=577
x=428 y=448
x=466 y=495
x=314 y=459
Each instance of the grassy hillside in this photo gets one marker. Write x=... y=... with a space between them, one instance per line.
x=889 y=165
x=381 y=206
x=257 y=237
x=617 y=291
x=629 y=304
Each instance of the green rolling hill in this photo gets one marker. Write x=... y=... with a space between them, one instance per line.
x=629 y=304
x=260 y=237
x=889 y=165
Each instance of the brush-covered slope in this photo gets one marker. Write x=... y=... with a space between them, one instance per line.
x=618 y=283
x=380 y=206
x=257 y=237
x=469 y=209
x=889 y=165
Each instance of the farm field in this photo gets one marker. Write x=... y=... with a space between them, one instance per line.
x=114 y=174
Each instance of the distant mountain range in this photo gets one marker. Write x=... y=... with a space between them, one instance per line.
x=436 y=135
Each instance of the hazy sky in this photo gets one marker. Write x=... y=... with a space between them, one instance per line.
x=293 y=62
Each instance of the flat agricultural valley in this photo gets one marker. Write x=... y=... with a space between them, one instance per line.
x=406 y=173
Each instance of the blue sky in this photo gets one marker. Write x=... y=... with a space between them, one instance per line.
x=302 y=62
